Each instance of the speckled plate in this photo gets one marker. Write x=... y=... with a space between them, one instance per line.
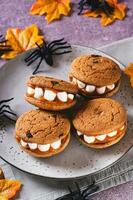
x=77 y=160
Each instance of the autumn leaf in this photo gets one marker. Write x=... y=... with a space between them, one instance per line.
x=118 y=13
x=52 y=8
x=3 y=198
x=129 y=71
x=8 y=188
x=22 y=40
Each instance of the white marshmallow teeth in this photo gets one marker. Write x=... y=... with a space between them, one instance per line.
x=101 y=90
x=71 y=96
x=43 y=147
x=32 y=146
x=111 y=87
x=49 y=95
x=62 y=96
x=101 y=137
x=90 y=88
x=89 y=139
x=38 y=92
x=80 y=84
x=112 y=134
x=30 y=90
x=79 y=133
x=74 y=80
x=24 y=144
x=56 y=145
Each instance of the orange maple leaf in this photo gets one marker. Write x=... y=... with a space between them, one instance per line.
x=118 y=13
x=22 y=40
x=129 y=71
x=52 y=8
x=8 y=188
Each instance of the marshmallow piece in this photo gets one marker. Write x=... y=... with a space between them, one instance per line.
x=122 y=128
x=90 y=88
x=24 y=144
x=79 y=133
x=56 y=145
x=71 y=96
x=49 y=95
x=111 y=87
x=81 y=84
x=74 y=80
x=43 y=147
x=89 y=139
x=101 y=137
x=32 y=146
x=30 y=90
x=112 y=134
x=62 y=96
x=38 y=92
x=101 y=90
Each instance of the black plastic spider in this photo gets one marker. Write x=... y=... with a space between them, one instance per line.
x=78 y=194
x=95 y=5
x=6 y=111
x=3 y=47
x=46 y=51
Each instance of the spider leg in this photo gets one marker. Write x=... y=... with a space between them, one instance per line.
x=64 y=52
x=55 y=41
x=35 y=71
x=6 y=111
x=31 y=55
x=81 y=6
x=63 y=47
x=57 y=44
x=89 y=190
x=5 y=106
x=9 y=118
x=32 y=60
x=6 y=100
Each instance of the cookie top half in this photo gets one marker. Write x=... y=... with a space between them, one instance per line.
x=95 y=70
x=52 y=83
x=42 y=127
x=100 y=116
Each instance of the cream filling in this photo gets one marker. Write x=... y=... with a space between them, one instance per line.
x=41 y=147
x=91 y=139
x=49 y=95
x=93 y=88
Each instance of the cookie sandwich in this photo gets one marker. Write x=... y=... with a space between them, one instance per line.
x=41 y=133
x=95 y=75
x=50 y=93
x=100 y=123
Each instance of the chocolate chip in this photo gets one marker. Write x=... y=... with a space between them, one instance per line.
x=28 y=135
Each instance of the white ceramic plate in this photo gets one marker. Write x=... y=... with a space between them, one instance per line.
x=77 y=160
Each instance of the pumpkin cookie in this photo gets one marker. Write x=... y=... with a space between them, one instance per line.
x=41 y=133
x=95 y=75
x=50 y=93
x=101 y=123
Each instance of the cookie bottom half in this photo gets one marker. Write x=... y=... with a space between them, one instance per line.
x=102 y=145
x=47 y=105
x=50 y=152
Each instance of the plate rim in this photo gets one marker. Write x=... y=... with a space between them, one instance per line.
x=82 y=176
